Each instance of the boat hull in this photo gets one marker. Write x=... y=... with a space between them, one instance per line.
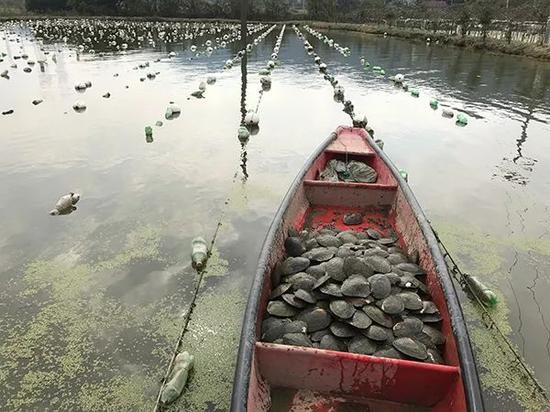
x=329 y=379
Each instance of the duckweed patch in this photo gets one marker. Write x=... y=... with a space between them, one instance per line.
x=476 y=253
x=485 y=256
x=70 y=346
x=216 y=266
x=212 y=337
x=499 y=373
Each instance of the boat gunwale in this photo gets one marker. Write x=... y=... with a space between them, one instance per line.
x=468 y=369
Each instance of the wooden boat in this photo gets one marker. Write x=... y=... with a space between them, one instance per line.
x=289 y=378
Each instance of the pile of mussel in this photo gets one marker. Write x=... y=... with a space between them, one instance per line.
x=352 y=291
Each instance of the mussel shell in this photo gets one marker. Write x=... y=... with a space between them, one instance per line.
x=297 y=339
x=411 y=268
x=329 y=240
x=331 y=289
x=316 y=318
x=294 y=246
x=362 y=345
x=378 y=264
x=279 y=290
x=280 y=309
x=360 y=320
x=378 y=316
x=373 y=234
x=411 y=348
x=356 y=286
x=305 y=296
x=318 y=335
x=377 y=333
x=330 y=342
x=411 y=300
x=393 y=305
x=320 y=254
x=436 y=336
x=342 y=330
x=434 y=356
x=409 y=327
x=335 y=269
x=342 y=309
x=354 y=265
x=302 y=280
x=293 y=265
x=380 y=286
x=292 y=301
x=388 y=352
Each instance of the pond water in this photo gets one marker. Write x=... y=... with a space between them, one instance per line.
x=93 y=302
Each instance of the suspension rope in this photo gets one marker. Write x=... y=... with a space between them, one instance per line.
x=486 y=316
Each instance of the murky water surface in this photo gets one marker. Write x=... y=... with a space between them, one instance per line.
x=92 y=302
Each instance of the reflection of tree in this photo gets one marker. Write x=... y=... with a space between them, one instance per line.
x=523 y=138
x=536 y=84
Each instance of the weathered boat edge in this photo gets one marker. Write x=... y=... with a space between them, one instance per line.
x=245 y=355
x=468 y=367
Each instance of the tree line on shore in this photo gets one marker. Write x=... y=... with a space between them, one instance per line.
x=349 y=11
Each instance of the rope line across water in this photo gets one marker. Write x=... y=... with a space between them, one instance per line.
x=488 y=320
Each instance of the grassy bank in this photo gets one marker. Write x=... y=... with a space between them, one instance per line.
x=493 y=45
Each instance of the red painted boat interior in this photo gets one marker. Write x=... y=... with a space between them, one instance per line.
x=288 y=378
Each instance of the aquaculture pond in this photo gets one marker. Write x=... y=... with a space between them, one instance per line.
x=93 y=301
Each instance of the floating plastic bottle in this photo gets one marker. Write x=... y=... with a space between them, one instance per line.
x=173 y=389
x=404 y=175
x=434 y=104
x=415 y=93
x=379 y=143
x=251 y=118
x=447 y=113
x=148 y=131
x=199 y=252
x=486 y=295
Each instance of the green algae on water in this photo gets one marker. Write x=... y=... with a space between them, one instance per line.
x=216 y=265
x=484 y=256
x=499 y=373
x=71 y=346
x=213 y=338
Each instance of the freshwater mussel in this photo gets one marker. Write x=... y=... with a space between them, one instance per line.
x=352 y=291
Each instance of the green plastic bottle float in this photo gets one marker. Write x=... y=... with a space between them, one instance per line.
x=461 y=119
x=485 y=295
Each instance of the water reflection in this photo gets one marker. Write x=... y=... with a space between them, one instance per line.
x=122 y=275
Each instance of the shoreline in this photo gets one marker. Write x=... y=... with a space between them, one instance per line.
x=491 y=45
